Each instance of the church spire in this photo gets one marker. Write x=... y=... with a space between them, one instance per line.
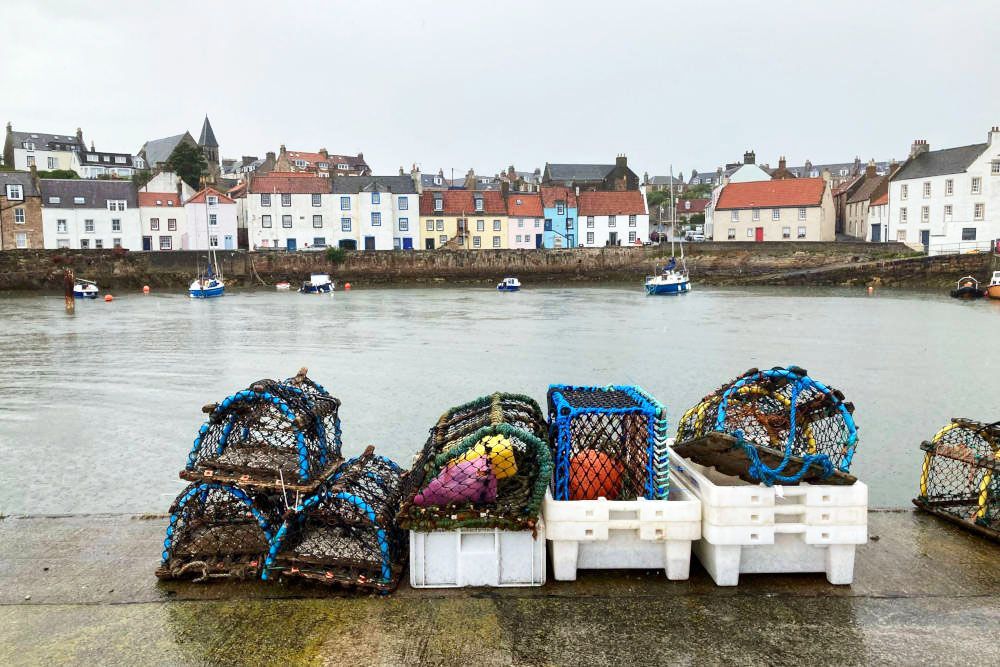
x=207 y=139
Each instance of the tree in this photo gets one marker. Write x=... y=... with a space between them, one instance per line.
x=189 y=163
x=58 y=173
x=141 y=177
x=700 y=191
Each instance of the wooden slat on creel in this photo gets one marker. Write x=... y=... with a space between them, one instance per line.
x=721 y=451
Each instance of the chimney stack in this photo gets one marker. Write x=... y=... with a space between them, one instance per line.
x=749 y=157
x=870 y=169
x=621 y=161
x=993 y=138
x=781 y=162
x=34 y=172
x=79 y=135
x=324 y=153
x=919 y=147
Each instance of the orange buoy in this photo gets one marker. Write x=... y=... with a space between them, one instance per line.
x=347 y=286
x=109 y=298
x=145 y=289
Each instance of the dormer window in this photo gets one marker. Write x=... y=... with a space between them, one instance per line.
x=159 y=202
x=323 y=165
x=438 y=204
x=479 y=203
x=560 y=208
x=15 y=192
x=343 y=166
x=54 y=200
x=79 y=200
x=437 y=180
x=170 y=202
x=120 y=159
x=92 y=157
x=29 y=145
x=300 y=163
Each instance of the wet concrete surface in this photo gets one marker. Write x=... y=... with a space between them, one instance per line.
x=80 y=589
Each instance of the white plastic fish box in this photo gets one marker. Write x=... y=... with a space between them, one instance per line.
x=756 y=529
x=477 y=557
x=623 y=534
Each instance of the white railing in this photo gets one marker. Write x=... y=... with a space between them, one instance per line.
x=961 y=247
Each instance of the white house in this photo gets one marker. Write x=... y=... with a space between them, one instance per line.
x=79 y=213
x=211 y=221
x=163 y=221
x=612 y=218
x=290 y=211
x=377 y=212
x=23 y=150
x=748 y=171
x=93 y=163
x=878 y=219
x=947 y=200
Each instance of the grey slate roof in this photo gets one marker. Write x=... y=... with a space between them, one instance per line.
x=937 y=163
x=664 y=180
x=864 y=192
x=96 y=193
x=159 y=150
x=45 y=141
x=579 y=172
x=21 y=178
x=85 y=159
x=207 y=135
x=352 y=185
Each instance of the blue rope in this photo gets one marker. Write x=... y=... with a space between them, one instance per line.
x=771 y=476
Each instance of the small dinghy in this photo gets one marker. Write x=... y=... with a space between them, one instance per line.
x=318 y=283
x=967 y=288
x=85 y=289
x=993 y=290
x=509 y=285
x=283 y=286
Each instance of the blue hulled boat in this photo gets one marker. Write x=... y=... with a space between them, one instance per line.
x=671 y=280
x=318 y=283
x=85 y=289
x=509 y=285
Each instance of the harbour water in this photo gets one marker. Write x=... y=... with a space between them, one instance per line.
x=98 y=410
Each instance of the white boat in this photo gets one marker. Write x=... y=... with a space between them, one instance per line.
x=208 y=285
x=318 y=283
x=993 y=290
x=85 y=289
x=509 y=285
x=671 y=280
x=283 y=286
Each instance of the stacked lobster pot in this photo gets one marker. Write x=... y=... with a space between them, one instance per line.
x=263 y=450
x=471 y=501
x=612 y=504
x=768 y=455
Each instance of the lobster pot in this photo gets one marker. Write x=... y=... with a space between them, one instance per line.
x=344 y=534
x=960 y=480
x=218 y=530
x=783 y=409
x=609 y=442
x=276 y=434
x=517 y=410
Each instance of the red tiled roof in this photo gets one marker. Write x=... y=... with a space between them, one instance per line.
x=772 y=194
x=286 y=183
x=685 y=206
x=331 y=159
x=159 y=199
x=553 y=193
x=461 y=203
x=530 y=206
x=239 y=190
x=199 y=198
x=884 y=199
x=630 y=202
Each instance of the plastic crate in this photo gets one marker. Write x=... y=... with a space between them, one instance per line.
x=756 y=529
x=623 y=534
x=477 y=557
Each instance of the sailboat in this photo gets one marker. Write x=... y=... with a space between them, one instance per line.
x=672 y=279
x=207 y=284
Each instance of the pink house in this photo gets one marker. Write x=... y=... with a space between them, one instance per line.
x=525 y=218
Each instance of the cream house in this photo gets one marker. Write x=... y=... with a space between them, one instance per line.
x=799 y=209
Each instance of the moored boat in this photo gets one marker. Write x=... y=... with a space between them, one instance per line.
x=207 y=286
x=85 y=289
x=318 y=283
x=967 y=288
x=509 y=285
x=993 y=289
x=283 y=286
x=671 y=280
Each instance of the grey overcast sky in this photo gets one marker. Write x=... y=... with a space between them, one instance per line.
x=487 y=84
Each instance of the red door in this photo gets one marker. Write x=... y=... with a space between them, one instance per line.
x=759 y=236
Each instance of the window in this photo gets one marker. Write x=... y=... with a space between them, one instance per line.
x=802 y=214
x=977 y=185
x=19 y=216
x=29 y=145
x=345 y=224
x=30 y=160
x=560 y=208
x=212 y=200
x=979 y=211
x=443 y=239
x=590 y=222
x=480 y=225
x=901 y=235
x=902 y=216
x=968 y=233
x=54 y=200
x=429 y=226
x=949 y=187
x=477 y=241
x=376 y=198
x=60 y=226
x=537 y=223
x=286 y=221
x=404 y=224
x=84 y=244
x=21 y=240
x=775 y=214
x=518 y=238
x=319 y=241
x=213 y=219
x=376 y=219
x=88 y=226
x=286 y=199
x=79 y=200
x=750 y=232
x=734 y=216
x=438 y=204
x=925 y=214
x=611 y=221
x=496 y=225
x=569 y=223
x=995 y=167
x=300 y=163
x=343 y=166
x=345 y=203
x=15 y=192
x=403 y=204
x=731 y=235
x=590 y=237
x=116 y=204
x=119 y=159
x=756 y=215
x=440 y=225
x=631 y=221
x=265 y=199
x=166 y=243
x=786 y=232
x=213 y=241
x=904 y=191
x=52 y=163
x=98 y=244
x=802 y=232
x=62 y=243
x=631 y=237
x=322 y=165
x=479 y=203
x=927 y=189
x=172 y=224
x=154 y=224
x=318 y=221
x=265 y=221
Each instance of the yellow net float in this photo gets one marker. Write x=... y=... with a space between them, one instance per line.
x=500 y=452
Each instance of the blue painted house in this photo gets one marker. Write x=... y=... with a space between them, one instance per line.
x=561 y=221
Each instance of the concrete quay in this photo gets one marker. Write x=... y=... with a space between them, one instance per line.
x=81 y=590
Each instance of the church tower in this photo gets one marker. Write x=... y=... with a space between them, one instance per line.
x=210 y=149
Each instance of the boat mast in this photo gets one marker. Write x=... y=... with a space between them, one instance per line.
x=673 y=211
